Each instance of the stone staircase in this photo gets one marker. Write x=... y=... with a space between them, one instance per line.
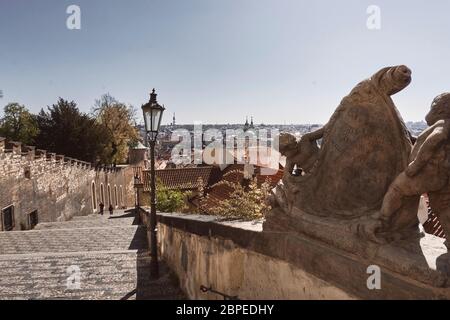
x=108 y=255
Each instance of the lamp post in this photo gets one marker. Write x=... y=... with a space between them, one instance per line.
x=138 y=185
x=152 y=117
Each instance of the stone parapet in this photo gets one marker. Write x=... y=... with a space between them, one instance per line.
x=13 y=152
x=240 y=259
x=56 y=186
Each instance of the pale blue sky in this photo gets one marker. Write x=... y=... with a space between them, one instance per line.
x=216 y=61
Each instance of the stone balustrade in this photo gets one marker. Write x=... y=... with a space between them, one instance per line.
x=240 y=259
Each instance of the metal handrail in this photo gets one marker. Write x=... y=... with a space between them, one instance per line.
x=205 y=289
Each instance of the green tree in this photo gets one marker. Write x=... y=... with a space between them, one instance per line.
x=170 y=200
x=18 y=124
x=64 y=129
x=118 y=120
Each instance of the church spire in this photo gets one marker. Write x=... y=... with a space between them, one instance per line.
x=246 y=125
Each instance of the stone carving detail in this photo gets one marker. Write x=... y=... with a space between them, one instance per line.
x=302 y=154
x=428 y=171
x=360 y=190
x=365 y=146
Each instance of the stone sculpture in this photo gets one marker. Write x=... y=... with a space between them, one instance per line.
x=428 y=170
x=360 y=191
x=365 y=146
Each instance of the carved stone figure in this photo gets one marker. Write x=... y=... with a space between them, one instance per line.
x=365 y=146
x=360 y=191
x=288 y=147
x=428 y=171
x=302 y=154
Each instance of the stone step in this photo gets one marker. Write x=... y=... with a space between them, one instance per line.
x=111 y=253
x=120 y=217
x=102 y=276
x=117 y=212
x=73 y=240
x=88 y=223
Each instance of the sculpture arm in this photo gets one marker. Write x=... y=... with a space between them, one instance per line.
x=426 y=151
x=424 y=135
x=318 y=134
x=315 y=135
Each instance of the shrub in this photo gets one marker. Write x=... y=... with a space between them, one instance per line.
x=244 y=202
x=170 y=200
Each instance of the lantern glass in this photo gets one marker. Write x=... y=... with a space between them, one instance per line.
x=152 y=117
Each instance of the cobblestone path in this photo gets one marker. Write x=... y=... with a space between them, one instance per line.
x=108 y=255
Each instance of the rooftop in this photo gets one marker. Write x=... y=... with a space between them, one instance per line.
x=182 y=178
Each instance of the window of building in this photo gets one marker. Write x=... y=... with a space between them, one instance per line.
x=33 y=219
x=121 y=196
x=7 y=217
x=115 y=196
x=109 y=195
x=27 y=172
x=102 y=193
x=94 y=197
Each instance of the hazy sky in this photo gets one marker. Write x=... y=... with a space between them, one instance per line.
x=216 y=61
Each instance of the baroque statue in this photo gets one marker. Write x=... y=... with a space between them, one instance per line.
x=354 y=183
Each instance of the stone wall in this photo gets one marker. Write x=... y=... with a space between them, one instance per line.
x=56 y=186
x=239 y=259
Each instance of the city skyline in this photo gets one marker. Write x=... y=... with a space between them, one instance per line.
x=217 y=62
x=247 y=150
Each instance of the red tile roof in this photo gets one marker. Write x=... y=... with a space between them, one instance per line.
x=211 y=178
x=181 y=178
x=433 y=225
x=235 y=174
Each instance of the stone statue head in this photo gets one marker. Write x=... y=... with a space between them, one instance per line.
x=392 y=79
x=440 y=109
x=287 y=144
x=382 y=84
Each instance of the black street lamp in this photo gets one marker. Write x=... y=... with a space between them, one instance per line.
x=152 y=116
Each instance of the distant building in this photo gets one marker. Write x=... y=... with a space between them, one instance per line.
x=138 y=155
x=246 y=125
